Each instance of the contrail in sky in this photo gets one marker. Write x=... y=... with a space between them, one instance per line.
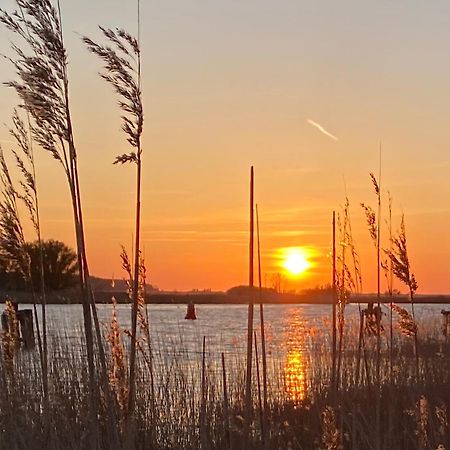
x=322 y=129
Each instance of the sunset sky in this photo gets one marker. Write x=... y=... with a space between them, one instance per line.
x=303 y=91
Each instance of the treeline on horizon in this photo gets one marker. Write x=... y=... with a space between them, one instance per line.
x=237 y=295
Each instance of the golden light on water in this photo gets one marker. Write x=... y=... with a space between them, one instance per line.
x=295 y=375
x=295 y=261
x=296 y=363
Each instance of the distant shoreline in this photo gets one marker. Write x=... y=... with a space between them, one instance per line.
x=221 y=298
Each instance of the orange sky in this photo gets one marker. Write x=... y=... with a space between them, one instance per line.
x=228 y=85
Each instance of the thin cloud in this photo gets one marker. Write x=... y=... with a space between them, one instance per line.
x=322 y=129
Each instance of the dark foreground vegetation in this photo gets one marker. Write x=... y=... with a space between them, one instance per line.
x=183 y=403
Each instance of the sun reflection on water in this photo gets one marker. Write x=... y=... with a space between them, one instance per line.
x=295 y=375
x=295 y=366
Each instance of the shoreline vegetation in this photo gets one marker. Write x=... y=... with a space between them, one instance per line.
x=192 y=399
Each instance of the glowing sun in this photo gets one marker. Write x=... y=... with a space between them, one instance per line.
x=295 y=260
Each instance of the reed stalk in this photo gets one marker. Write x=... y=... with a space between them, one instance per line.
x=26 y=164
x=360 y=346
x=248 y=379
x=401 y=267
x=261 y=320
x=389 y=273
x=12 y=239
x=391 y=294
x=355 y=283
x=345 y=281
x=374 y=224
x=226 y=407
x=145 y=327
x=42 y=84
x=342 y=291
x=260 y=403
x=203 y=437
x=122 y=64
x=378 y=358
x=333 y=312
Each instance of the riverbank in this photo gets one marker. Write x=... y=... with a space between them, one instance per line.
x=72 y=296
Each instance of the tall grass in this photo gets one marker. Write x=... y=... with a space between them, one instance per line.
x=334 y=309
x=183 y=407
x=42 y=84
x=12 y=238
x=122 y=64
x=374 y=225
x=401 y=267
x=29 y=195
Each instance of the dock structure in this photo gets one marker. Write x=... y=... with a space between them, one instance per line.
x=446 y=323
x=24 y=327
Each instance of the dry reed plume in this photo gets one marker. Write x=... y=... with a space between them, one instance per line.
x=42 y=84
x=118 y=373
x=122 y=64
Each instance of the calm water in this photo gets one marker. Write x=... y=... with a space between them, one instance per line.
x=225 y=326
x=294 y=333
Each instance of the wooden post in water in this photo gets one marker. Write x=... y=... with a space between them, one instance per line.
x=248 y=380
x=446 y=324
x=25 y=318
x=333 y=331
x=24 y=329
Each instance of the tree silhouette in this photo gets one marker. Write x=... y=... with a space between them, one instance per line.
x=60 y=264
x=60 y=267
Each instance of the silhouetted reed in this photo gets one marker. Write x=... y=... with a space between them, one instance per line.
x=24 y=157
x=12 y=239
x=189 y=398
x=42 y=84
x=122 y=64
x=402 y=270
x=374 y=225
